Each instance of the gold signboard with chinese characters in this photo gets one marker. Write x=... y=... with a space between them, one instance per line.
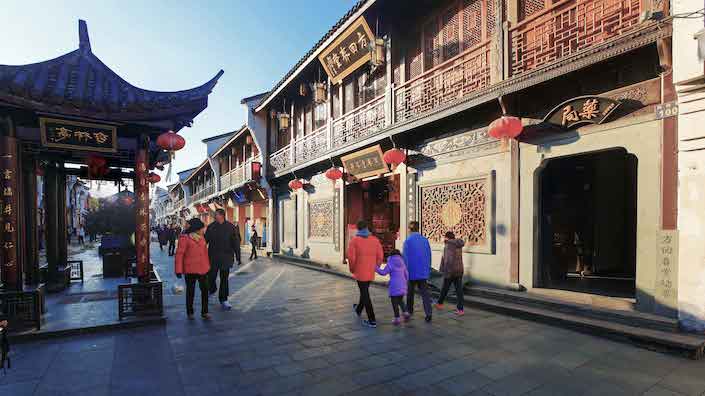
x=348 y=52
x=581 y=110
x=78 y=135
x=365 y=163
x=9 y=212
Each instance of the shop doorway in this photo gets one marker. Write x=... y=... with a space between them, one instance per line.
x=587 y=216
x=377 y=202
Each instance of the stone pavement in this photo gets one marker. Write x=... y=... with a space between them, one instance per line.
x=292 y=332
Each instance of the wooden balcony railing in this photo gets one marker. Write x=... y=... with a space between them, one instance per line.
x=202 y=193
x=238 y=175
x=281 y=159
x=445 y=83
x=567 y=27
x=311 y=146
x=359 y=123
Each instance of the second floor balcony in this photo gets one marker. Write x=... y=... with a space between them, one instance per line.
x=202 y=193
x=238 y=175
x=547 y=37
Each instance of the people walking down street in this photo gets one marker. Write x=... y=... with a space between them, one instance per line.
x=417 y=257
x=364 y=255
x=223 y=242
x=162 y=237
x=253 y=241
x=238 y=243
x=171 y=237
x=452 y=269
x=192 y=262
x=398 y=281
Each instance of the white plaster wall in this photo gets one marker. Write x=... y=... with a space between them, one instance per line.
x=640 y=136
x=487 y=269
x=691 y=169
x=319 y=250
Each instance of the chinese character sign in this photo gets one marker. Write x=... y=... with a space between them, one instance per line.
x=666 y=293
x=365 y=163
x=142 y=215
x=582 y=110
x=8 y=216
x=350 y=51
x=78 y=135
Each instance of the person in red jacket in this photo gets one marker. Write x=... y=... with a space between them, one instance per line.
x=364 y=255
x=192 y=261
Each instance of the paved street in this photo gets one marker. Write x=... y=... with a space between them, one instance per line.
x=292 y=332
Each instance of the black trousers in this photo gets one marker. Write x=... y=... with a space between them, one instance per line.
x=398 y=301
x=172 y=247
x=425 y=296
x=237 y=255
x=365 y=301
x=253 y=255
x=224 y=291
x=191 y=291
x=457 y=281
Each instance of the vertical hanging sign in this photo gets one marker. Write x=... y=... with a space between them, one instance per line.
x=142 y=213
x=8 y=177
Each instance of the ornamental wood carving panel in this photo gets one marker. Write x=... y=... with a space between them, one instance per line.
x=320 y=219
x=463 y=207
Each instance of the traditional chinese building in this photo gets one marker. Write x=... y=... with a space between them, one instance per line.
x=74 y=109
x=577 y=208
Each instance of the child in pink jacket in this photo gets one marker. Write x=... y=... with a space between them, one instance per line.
x=398 y=280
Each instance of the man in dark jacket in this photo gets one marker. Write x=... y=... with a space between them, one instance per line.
x=172 y=235
x=223 y=245
x=417 y=255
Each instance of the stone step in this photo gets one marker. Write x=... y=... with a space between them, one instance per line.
x=623 y=316
x=690 y=345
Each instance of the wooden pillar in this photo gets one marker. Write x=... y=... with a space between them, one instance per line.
x=142 y=210
x=51 y=220
x=11 y=262
x=29 y=225
x=62 y=214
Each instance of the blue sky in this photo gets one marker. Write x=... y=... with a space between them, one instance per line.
x=174 y=45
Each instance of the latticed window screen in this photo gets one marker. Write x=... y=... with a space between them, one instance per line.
x=335 y=97
x=309 y=119
x=432 y=45
x=319 y=115
x=451 y=33
x=530 y=7
x=349 y=95
x=299 y=121
x=472 y=23
x=415 y=59
x=491 y=17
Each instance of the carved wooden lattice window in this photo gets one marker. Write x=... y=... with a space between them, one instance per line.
x=530 y=7
x=415 y=60
x=472 y=23
x=320 y=219
x=451 y=33
x=461 y=207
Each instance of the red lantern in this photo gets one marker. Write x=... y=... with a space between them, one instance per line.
x=96 y=166
x=171 y=141
x=394 y=157
x=505 y=128
x=154 y=178
x=334 y=174
x=296 y=184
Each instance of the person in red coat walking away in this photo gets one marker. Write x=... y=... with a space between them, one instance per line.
x=364 y=255
x=192 y=261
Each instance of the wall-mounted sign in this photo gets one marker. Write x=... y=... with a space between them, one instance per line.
x=348 y=52
x=365 y=163
x=581 y=110
x=8 y=213
x=669 y=109
x=78 y=135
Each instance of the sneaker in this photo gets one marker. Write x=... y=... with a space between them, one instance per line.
x=396 y=322
x=226 y=306
x=407 y=316
x=206 y=316
x=428 y=319
x=459 y=312
x=357 y=315
x=438 y=306
x=367 y=323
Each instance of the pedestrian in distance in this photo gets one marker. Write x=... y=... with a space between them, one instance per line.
x=171 y=237
x=253 y=241
x=192 y=262
x=398 y=280
x=452 y=269
x=364 y=255
x=223 y=242
x=81 y=232
x=417 y=257
x=162 y=237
